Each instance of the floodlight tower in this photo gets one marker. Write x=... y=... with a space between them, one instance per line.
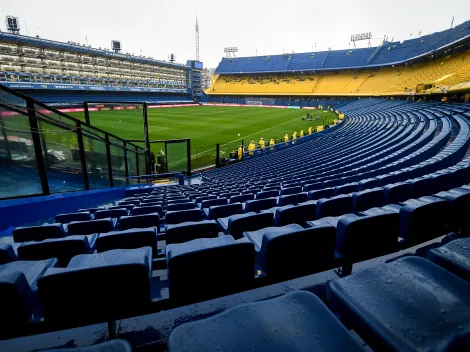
x=197 y=40
x=230 y=51
x=362 y=36
x=13 y=24
x=116 y=46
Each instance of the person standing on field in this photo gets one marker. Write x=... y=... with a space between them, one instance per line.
x=286 y=138
x=261 y=142
x=240 y=152
x=251 y=147
x=271 y=143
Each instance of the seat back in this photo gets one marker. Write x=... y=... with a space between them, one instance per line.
x=177 y=217
x=193 y=267
x=222 y=211
x=188 y=231
x=260 y=204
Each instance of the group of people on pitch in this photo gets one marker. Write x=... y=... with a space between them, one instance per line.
x=262 y=144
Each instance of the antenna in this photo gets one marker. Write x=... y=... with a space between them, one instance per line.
x=197 y=40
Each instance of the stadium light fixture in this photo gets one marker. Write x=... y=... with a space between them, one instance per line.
x=361 y=36
x=13 y=24
x=116 y=46
x=230 y=51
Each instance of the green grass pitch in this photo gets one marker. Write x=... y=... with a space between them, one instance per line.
x=208 y=125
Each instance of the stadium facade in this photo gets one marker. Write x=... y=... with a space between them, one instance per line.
x=70 y=73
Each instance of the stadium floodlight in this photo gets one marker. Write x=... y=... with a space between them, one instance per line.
x=12 y=24
x=116 y=46
x=171 y=58
x=230 y=51
x=362 y=36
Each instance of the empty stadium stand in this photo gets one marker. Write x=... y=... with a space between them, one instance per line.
x=359 y=233
x=437 y=63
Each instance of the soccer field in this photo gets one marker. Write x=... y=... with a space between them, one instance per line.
x=208 y=125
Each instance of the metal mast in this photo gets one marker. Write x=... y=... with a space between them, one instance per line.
x=197 y=40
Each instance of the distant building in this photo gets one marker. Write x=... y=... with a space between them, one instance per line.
x=206 y=77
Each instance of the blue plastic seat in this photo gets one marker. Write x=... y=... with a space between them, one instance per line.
x=221 y=211
x=180 y=201
x=209 y=267
x=200 y=199
x=211 y=202
x=458 y=200
x=257 y=205
x=139 y=221
x=235 y=225
x=188 y=231
x=90 y=210
x=291 y=251
x=409 y=304
x=421 y=187
x=241 y=198
x=117 y=280
x=372 y=234
x=334 y=206
x=313 y=186
x=397 y=193
x=345 y=189
x=129 y=207
x=421 y=219
x=297 y=321
x=38 y=233
x=64 y=249
x=128 y=239
x=181 y=206
x=294 y=214
x=454 y=257
x=291 y=190
x=91 y=226
x=66 y=218
x=149 y=204
x=177 y=217
x=273 y=188
x=133 y=202
x=18 y=292
x=292 y=199
x=7 y=253
x=369 y=198
x=267 y=194
x=147 y=210
x=115 y=345
x=442 y=182
x=114 y=213
x=320 y=193
x=228 y=194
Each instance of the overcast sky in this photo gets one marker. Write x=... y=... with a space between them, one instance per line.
x=160 y=27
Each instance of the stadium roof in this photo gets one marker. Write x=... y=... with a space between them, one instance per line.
x=390 y=53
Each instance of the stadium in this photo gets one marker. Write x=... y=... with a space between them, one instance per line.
x=312 y=201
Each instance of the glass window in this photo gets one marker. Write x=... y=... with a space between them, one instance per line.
x=19 y=174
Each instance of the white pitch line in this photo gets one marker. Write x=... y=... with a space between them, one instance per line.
x=150 y=130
